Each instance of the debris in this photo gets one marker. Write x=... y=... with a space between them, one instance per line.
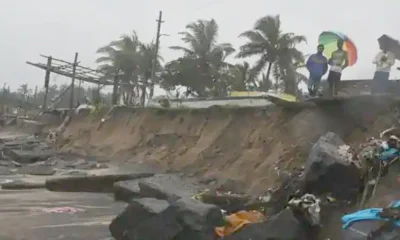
x=62 y=210
x=237 y=221
x=309 y=206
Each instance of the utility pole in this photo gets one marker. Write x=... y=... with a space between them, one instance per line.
x=153 y=68
x=46 y=82
x=71 y=98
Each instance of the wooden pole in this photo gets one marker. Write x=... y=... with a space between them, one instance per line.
x=155 y=58
x=71 y=98
x=46 y=82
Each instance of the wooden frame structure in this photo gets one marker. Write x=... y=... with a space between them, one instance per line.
x=65 y=68
x=78 y=72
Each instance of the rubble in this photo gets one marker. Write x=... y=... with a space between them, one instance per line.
x=136 y=212
x=329 y=170
x=92 y=183
x=167 y=187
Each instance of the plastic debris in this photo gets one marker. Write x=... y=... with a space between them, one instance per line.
x=62 y=210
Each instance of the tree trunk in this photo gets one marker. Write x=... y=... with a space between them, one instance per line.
x=267 y=77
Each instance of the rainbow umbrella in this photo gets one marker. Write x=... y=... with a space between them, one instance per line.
x=329 y=40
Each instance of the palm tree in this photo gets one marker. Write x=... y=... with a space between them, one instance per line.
x=147 y=56
x=24 y=91
x=122 y=56
x=203 y=52
x=240 y=77
x=276 y=50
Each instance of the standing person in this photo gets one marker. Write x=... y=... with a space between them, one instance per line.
x=317 y=66
x=384 y=61
x=338 y=61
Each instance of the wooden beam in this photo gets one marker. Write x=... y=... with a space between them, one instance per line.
x=46 y=82
x=67 y=74
x=71 y=100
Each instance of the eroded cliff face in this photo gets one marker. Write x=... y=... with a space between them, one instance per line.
x=247 y=145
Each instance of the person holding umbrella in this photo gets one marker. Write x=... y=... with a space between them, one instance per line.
x=384 y=61
x=342 y=52
x=338 y=61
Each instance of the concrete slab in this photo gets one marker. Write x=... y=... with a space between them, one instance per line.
x=23 y=217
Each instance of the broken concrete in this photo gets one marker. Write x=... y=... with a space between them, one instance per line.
x=29 y=156
x=169 y=187
x=137 y=211
x=94 y=183
x=198 y=216
x=20 y=184
x=163 y=226
x=328 y=170
x=126 y=190
x=41 y=170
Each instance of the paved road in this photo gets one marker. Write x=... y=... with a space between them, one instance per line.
x=22 y=216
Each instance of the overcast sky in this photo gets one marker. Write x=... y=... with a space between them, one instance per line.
x=62 y=27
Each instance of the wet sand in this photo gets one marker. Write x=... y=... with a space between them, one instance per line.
x=22 y=215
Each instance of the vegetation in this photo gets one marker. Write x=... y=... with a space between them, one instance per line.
x=203 y=69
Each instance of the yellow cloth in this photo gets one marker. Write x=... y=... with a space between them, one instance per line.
x=238 y=220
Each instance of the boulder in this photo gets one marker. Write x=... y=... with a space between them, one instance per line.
x=126 y=190
x=198 y=217
x=169 y=187
x=93 y=183
x=330 y=170
x=163 y=226
x=41 y=170
x=283 y=226
x=137 y=211
x=19 y=184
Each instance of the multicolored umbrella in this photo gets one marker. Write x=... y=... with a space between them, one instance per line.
x=329 y=40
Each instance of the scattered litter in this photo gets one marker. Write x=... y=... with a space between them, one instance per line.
x=62 y=210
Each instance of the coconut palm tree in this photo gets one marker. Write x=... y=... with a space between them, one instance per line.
x=204 y=55
x=276 y=49
x=122 y=56
x=147 y=55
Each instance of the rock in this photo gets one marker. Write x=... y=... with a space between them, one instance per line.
x=93 y=183
x=137 y=211
x=283 y=226
x=163 y=226
x=197 y=216
x=126 y=190
x=37 y=170
x=74 y=173
x=19 y=184
x=167 y=186
x=328 y=171
x=227 y=201
x=28 y=156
